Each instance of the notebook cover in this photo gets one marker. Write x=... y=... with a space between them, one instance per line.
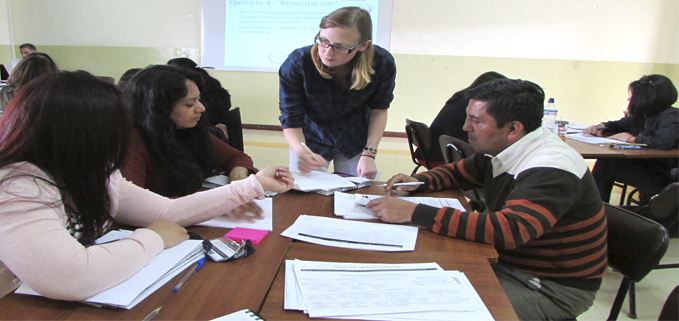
x=241 y=233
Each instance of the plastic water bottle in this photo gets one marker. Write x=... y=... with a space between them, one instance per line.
x=550 y=115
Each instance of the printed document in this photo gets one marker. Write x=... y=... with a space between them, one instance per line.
x=347 y=205
x=352 y=234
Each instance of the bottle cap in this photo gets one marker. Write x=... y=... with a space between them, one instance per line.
x=550 y=101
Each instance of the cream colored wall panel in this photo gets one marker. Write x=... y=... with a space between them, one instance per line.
x=608 y=30
x=4 y=24
x=119 y=23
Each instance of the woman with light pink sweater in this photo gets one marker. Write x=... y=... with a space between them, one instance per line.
x=62 y=140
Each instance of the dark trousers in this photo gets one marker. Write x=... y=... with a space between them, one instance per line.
x=646 y=175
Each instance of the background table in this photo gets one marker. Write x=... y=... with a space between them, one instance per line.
x=597 y=151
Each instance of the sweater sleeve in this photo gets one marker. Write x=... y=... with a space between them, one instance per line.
x=140 y=207
x=36 y=246
x=538 y=199
x=661 y=132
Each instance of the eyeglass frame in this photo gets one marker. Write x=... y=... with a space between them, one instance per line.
x=318 y=39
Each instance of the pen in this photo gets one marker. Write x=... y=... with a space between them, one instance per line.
x=152 y=314
x=195 y=268
x=404 y=184
x=309 y=150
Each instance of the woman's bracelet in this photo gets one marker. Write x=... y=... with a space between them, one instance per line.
x=371 y=156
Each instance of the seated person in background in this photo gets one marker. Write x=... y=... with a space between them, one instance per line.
x=213 y=96
x=127 y=76
x=34 y=65
x=25 y=50
x=543 y=215
x=170 y=152
x=62 y=141
x=451 y=118
x=652 y=121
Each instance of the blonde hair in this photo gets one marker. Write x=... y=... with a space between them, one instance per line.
x=350 y=17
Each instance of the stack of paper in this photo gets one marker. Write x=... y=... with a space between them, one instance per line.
x=349 y=205
x=353 y=235
x=589 y=139
x=162 y=269
x=415 y=291
x=357 y=182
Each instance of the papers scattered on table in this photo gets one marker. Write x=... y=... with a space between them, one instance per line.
x=242 y=315
x=352 y=234
x=315 y=180
x=266 y=223
x=411 y=291
x=589 y=139
x=166 y=265
x=215 y=181
x=113 y=235
x=348 y=205
x=358 y=182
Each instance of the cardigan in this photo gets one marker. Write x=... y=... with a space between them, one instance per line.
x=139 y=165
x=36 y=246
x=544 y=216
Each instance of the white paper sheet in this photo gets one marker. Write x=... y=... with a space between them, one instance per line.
x=266 y=223
x=346 y=205
x=159 y=271
x=352 y=234
x=319 y=180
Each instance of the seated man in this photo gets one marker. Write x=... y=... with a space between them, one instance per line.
x=25 y=50
x=544 y=216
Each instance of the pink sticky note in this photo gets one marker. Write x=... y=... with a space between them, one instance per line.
x=240 y=233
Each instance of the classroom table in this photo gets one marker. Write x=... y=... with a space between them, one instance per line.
x=591 y=151
x=475 y=267
x=222 y=288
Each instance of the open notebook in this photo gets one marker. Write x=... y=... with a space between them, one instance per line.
x=159 y=271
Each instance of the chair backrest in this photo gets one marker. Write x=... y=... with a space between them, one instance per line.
x=664 y=207
x=234 y=127
x=454 y=149
x=419 y=136
x=635 y=244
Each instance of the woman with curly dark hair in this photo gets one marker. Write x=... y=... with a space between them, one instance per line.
x=62 y=140
x=170 y=152
x=652 y=121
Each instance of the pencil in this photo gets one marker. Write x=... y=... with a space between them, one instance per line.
x=309 y=150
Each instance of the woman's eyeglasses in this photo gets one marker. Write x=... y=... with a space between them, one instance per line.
x=337 y=48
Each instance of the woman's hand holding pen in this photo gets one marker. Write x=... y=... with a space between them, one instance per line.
x=594 y=130
x=276 y=179
x=309 y=161
x=400 y=178
x=624 y=137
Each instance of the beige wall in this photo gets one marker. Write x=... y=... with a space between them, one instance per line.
x=582 y=52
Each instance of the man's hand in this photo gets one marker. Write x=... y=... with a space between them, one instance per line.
x=392 y=209
x=399 y=178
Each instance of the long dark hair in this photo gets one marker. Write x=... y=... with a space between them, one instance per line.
x=74 y=127
x=651 y=94
x=183 y=155
x=481 y=79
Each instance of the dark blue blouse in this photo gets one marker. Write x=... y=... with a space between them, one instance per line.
x=332 y=121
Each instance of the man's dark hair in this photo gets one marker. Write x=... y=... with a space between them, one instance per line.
x=30 y=46
x=512 y=100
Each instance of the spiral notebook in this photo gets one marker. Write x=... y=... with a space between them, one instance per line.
x=242 y=315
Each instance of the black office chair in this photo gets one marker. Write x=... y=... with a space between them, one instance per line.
x=234 y=128
x=419 y=137
x=635 y=246
x=664 y=209
x=454 y=150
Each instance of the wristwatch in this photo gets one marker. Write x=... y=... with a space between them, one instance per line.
x=370 y=149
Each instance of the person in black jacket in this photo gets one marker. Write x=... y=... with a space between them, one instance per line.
x=451 y=118
x=652 y=121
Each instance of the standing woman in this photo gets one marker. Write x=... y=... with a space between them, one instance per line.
x=652 y=121
x=32 y=66
x=334 y=96
x=170 y=152
x=62 y=140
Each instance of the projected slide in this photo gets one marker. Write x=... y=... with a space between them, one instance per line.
x=257 y=35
